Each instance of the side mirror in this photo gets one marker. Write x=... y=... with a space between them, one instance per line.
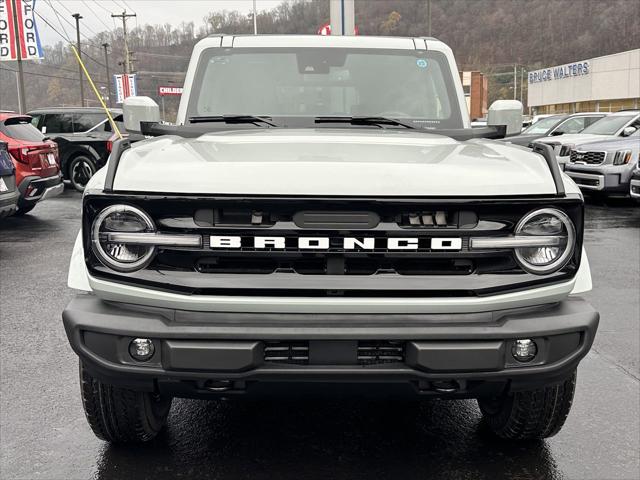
x=628 y=131
x=508 y=113
x=555 y=133
x=139 y=109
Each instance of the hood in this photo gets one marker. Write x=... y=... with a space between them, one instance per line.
x=574 y=138
x=333 y=163
x=613 y=144
x=523 y=140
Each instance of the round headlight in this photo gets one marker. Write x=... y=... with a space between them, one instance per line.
x=120 y=256
x=556 y=226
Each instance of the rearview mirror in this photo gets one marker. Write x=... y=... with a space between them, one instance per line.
x=508 y=113
x=628 y=131
x=139 y=109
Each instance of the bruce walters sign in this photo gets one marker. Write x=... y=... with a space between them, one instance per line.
x=577 y=69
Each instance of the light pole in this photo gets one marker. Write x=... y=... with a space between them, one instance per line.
x=77 y=16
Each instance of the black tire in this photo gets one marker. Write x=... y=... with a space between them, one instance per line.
x=529 y=415
x=120 y=415
x=81 y=169
x=24 y=210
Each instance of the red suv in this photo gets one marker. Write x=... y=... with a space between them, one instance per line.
x=36 y=159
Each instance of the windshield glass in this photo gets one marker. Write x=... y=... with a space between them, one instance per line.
x=20 y=128
x=542 y=126
x=608 y=125
x=311 y=82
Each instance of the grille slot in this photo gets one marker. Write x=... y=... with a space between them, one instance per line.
x=376 y=352
x=294 y=352
x=590 y=158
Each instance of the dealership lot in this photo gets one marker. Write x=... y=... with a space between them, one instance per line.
x=44 y=433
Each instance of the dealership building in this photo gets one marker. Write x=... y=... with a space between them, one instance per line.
x=601 y=84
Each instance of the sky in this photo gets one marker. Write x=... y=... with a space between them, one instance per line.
x=97 y=16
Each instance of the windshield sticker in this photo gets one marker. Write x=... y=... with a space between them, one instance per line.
x=422 y=63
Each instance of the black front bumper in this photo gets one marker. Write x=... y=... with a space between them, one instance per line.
x=208 y=354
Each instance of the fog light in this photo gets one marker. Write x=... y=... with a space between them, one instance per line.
x=524 y=350
x=141 y=349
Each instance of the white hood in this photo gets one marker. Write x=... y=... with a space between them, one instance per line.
x=574 y=138
x=333 y=163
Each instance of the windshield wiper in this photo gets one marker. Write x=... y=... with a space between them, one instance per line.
x=376 y=121
x=234 y=119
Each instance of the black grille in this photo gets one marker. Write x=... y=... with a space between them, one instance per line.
x=590 y=158
x=295 y=353
x=378 y=352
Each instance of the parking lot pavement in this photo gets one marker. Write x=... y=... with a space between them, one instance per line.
x=43 y=433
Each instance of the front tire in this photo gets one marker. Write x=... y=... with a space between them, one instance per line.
x=532 y=414
x=81 y=169
x=120 y=415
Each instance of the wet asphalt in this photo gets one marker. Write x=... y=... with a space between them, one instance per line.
x=43 y=432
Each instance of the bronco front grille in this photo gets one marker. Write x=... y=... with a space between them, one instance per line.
x=440 y=263
x=590 y=158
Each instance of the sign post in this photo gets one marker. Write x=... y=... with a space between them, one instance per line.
x=125 y=86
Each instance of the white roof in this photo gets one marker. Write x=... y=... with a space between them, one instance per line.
x=325 y=41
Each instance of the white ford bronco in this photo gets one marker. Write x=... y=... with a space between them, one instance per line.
x=322 y=215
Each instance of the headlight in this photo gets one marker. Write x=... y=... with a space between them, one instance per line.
x=555 y=230
x=565 y=150
x=622 y=157
x=118 y=219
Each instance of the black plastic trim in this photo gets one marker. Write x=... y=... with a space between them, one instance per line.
x=119 y=146
x=547 y=152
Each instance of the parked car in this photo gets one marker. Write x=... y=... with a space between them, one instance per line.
x=618 y=124
x=81 y=135
x=605 y=167
x=634 y=191
x=554 y=126
x=36 y=160
x=235 y=253
x=8 y=192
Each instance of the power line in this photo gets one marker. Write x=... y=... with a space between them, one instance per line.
x=98 y=3
x=99 y=19
x=67 y=40
x=127 y=5
x=150 y=54
x=47 y=75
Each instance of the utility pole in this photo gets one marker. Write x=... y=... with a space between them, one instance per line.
x=429 y=17
x=106 y=64
x=127 y=54
x=77 y=16
x=22 y=105
x=255 y=18
x=515 y=81
x=521 y=84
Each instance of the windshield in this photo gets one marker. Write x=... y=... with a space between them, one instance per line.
x=20 y=128
x=312 y=82
x=542 y=126
x=608 y=125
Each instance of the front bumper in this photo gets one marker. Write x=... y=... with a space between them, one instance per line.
x=35 y=189
x=200 y=354
x=634 y=190
x=600 y=181
x=8 y=203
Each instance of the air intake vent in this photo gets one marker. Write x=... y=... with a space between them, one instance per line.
x=377 y=352
x=439 y=219
x=294 y=352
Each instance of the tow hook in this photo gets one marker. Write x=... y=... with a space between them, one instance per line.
x=218 y=385
x=446 y=386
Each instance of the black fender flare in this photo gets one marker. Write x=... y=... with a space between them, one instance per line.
x=73 y=152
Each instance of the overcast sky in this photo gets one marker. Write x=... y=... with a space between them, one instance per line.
x=97 y=16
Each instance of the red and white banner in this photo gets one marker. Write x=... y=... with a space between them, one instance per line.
x=125 y=87
x=169 y=91
x=28 y=38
